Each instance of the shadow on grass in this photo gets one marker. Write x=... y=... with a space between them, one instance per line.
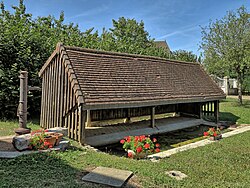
x=227 y=116
x=42 y=170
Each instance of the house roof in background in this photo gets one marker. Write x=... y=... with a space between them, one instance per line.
x=162 y=44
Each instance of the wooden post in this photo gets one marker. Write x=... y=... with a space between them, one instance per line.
x=22 y=108
x=127 y=119
x=200 y=110
x=88 y=122
x=216 y=111
x=153 y=117
x=82 y=120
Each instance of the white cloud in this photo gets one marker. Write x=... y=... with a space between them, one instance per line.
x=93 y=11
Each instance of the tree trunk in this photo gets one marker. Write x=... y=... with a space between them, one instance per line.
x=239 y=80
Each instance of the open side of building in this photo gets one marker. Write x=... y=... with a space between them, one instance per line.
x=81 y=86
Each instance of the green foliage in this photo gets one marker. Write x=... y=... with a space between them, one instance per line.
x=184 y=55
x=26 y=43
x=226 y=45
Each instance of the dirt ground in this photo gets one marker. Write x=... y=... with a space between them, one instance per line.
x=6 y=144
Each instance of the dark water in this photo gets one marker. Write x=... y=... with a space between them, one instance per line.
x=165 y=140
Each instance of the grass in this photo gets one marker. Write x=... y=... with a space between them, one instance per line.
x=222 y=164
x=8 y=127
x=230 y=110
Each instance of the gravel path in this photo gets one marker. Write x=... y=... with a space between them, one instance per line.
x=236 y=97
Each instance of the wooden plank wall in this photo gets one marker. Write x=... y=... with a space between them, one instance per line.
x=59 y=106
x=106 y=114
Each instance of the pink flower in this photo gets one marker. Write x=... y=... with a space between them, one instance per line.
x=154 y=140
x=122 y=141
x=46 y=130
x=157 y=145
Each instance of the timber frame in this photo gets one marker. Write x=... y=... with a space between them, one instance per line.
x=65 y=102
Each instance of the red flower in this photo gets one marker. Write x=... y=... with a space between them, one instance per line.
x=212 y=129
x=128 y=139
x=46 y=143
x=46 y=130
x=137 y=138
x=122 y=141
x=157 y=150
x=154 y=140
x=215 y=134
x=157 y=145
x=206 y=133
x=142 y=137
x=50 y=146
x=130 y=155
x=139 y=149
x=147 y=146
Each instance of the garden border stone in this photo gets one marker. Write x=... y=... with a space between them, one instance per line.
x=168 y=153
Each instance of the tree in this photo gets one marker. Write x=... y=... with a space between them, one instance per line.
x=184 y=55
x=226 y=46
x=130 y=36
x=25 y=44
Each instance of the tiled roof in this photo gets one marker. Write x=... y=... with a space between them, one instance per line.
x=162 y=44
x=112 y=79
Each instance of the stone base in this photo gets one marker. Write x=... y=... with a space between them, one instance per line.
x=61 y=130
x=22 y=131
x=21 y=142
x=108 y=176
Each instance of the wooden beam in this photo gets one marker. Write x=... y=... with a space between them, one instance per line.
x=149 y=103
x=152 y=117
x=216 y=111
x=88 y=121
x=82 y=120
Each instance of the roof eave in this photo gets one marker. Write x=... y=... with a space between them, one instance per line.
x=150 y=103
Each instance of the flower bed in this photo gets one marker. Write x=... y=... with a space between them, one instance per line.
x=42 y=139
x=140 y=146
x=213 y=134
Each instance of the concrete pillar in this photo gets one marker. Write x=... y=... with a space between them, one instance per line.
x=226 y=84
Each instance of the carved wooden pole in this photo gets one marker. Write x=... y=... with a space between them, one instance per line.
x=22 y=108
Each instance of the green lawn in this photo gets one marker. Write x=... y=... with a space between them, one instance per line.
x=8 y=127
x=222 y=164
x=230 y=110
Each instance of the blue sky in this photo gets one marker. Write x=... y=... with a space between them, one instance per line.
x=176 y=21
